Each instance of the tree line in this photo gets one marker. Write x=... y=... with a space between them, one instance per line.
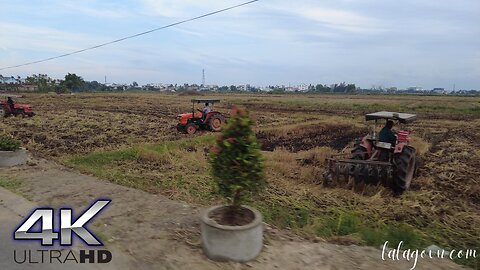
x=74 y=83
x=71 y=83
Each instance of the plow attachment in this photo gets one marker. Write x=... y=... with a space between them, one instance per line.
x=348 y=173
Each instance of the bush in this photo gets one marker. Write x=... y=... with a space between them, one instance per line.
x=236 y=161
x=8 y=143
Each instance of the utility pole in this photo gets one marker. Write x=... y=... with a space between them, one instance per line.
x=203 y=77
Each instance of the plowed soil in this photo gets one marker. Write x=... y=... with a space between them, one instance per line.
x=310 y=136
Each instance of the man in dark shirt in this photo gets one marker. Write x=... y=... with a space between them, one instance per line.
x=386 y=134
x=11 y=104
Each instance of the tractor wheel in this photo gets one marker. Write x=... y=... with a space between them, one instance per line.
x=181 y=128
x=418 y=165
x=359 y=152
x=190 y=128
x=215 y=122
x=404 y=169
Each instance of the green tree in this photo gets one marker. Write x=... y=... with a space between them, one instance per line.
x=223 y=88
x=73 y=82
x=94 y=86
x=351 y=88
x=42 y=81
x=278 y=90
x=322 y=88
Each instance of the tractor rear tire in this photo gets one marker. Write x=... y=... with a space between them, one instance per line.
x=404 y=169
x=215 y=122
x=191 y=128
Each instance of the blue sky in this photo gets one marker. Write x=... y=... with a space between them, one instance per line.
x=426 y=43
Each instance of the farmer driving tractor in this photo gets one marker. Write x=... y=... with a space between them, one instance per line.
x=206 y=110
x=11 y=104
x=9 y=107
x=207 y=118
x=386 y=134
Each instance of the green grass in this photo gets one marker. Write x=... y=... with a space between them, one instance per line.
x=305 y=217
x=98 y=160
x=174 y=167
x=10 y=184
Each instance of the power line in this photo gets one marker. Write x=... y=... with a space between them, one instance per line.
x=132 y=36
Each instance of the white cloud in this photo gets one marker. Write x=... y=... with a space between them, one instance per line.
x=19 y=36
x=340 y=19
x=183 y=30
x=97 y=9
x=177 y=9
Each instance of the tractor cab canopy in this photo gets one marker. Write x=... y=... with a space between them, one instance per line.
x=205 y=101
x=403 y=118
x=209 y=101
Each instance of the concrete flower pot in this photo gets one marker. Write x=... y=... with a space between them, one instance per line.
x=13 y=158
x=231 y=243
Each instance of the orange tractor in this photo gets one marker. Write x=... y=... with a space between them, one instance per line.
x=201 y=119
x=372 y=161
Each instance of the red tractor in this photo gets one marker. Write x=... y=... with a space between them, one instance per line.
x=373 y=161
x=8 y=107
x=201 y=119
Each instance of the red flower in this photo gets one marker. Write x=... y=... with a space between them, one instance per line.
x=242 y=112
x=238 y=111
x=234 y=110
x=215 y=150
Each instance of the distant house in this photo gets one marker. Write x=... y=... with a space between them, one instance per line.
x=415 y=88
x=439 y=90
x=8 y=80
x=303 y=87
x=27 y=88
x=242 y=87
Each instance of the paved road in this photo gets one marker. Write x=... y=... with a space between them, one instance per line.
x=8 y=222
x=12 y=207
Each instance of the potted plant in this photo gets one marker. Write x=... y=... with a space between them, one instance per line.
x=234 y=231
x=10 y=152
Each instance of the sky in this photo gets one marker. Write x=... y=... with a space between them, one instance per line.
x=424 y=43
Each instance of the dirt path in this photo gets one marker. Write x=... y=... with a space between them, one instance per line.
x=159 y=233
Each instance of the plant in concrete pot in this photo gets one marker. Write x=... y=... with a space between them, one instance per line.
x=10 y=152
x=234 y=231
x=8 y=143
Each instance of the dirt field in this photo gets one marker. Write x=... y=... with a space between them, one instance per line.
x=130 y=139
